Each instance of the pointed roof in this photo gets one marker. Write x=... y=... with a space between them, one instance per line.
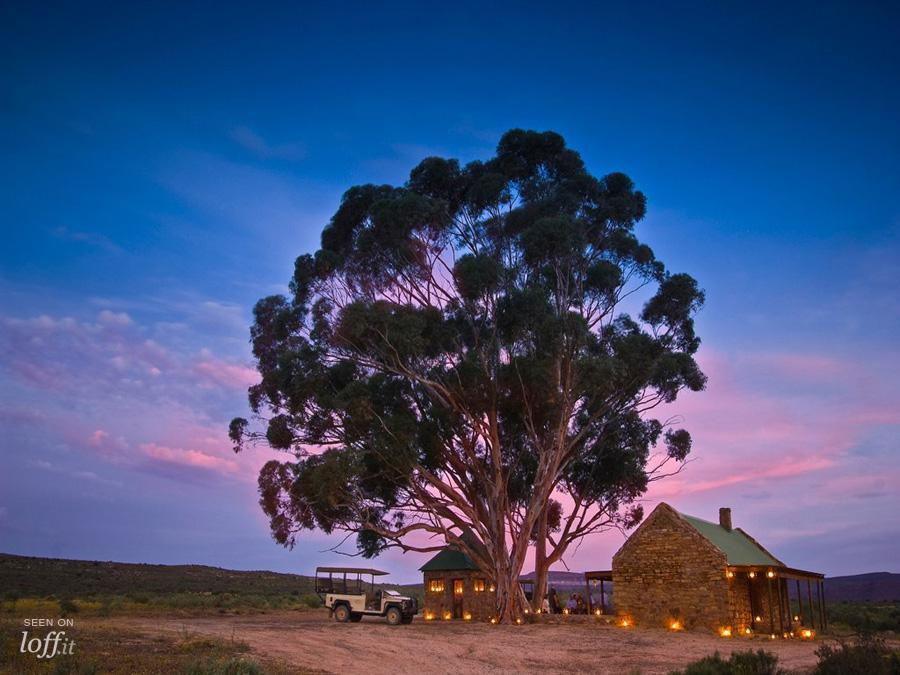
x=452 y=558
x=738 y=546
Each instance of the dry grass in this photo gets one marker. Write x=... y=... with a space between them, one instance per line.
x=104 y=648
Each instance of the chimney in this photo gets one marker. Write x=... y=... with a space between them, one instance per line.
x=725 y=518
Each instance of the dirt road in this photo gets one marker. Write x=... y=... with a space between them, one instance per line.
x=310 y=641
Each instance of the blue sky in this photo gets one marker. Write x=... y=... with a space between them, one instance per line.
x=162 y=168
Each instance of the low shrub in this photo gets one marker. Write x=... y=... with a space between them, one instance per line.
x=311 y=600
x=740 y=663
x=867 y=655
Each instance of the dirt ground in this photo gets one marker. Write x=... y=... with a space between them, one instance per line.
x=309 y=641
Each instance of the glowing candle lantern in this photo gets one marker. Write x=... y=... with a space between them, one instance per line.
x=467 y=616
x=729 y=574
x=725 y=632
x=675 y=625
x=527 y=610
x=448 y=616
x=625 y=622
x=806 y=634
x=747 y=631
x=770 y=574
x=519 y=620
x=429 y=616
x=752 y=575
x=493 y=620
x=757 y=619
x=565 y=610
x=796 y=618
x=772 y=636
x=598 y=612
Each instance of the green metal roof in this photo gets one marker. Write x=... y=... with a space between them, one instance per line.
x=449 y=559
x=738 y=547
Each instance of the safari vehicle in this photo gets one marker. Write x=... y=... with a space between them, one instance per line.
x=349 y=598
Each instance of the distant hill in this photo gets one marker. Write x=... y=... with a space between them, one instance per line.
x=871 y=587
x=39 y=577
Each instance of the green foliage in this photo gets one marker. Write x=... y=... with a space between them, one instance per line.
x=759 y=662
x=865 y=617
x=67 y=606
x=867 y=655
x=459 y=329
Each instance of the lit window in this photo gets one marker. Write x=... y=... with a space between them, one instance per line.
x=436 y=585
x=479 y=585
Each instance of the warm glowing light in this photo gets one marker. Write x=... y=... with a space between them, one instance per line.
x=806 y=634
x=565 y=610
x=527 y=611
x=747 y=631
x=796 y=618
x=491 y=589
x=757 y=619
x=598 y=612
x=478 y=585
x=467 y=616
x=493 y=620
x=770 y=574
x=429 y=616
x=725 y=632
x=436 y=586
x=625 y=623
x=675 y=625
x=772 y=636
x=752 y=575
x=537 y=611
x=519 y=620
x=729 y=574
x=448 y=616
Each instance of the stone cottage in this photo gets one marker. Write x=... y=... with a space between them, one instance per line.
x=679 y=571
x=455 y=588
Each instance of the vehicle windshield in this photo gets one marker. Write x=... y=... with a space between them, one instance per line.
x=390 y=592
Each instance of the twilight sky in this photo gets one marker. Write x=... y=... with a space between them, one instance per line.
x=162 y=168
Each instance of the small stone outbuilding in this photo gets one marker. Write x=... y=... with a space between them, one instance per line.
x=455 y=588
x=680 y=571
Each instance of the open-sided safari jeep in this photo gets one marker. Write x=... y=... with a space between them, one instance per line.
x=349 y=598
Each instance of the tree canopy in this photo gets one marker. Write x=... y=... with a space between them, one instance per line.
x=456 y=360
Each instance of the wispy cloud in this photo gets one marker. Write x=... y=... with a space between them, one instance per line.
x=93 y=239
x=250 y=140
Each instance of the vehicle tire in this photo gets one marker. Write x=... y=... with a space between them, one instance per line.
x=394 y=616
x=342 y=613
x=355 y=617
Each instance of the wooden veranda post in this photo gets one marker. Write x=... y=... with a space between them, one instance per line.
x=812 y=611
x=820 y=595
x=780 y=607
x=771 y=608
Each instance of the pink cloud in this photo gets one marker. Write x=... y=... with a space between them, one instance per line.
x=222 y=373
x=191 y=458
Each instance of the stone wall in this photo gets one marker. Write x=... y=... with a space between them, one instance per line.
x=446 y=605
x=667 y=571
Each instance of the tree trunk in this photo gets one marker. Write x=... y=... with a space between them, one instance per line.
x=541 y=571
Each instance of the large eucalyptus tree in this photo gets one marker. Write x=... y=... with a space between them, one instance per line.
x=454 y=364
